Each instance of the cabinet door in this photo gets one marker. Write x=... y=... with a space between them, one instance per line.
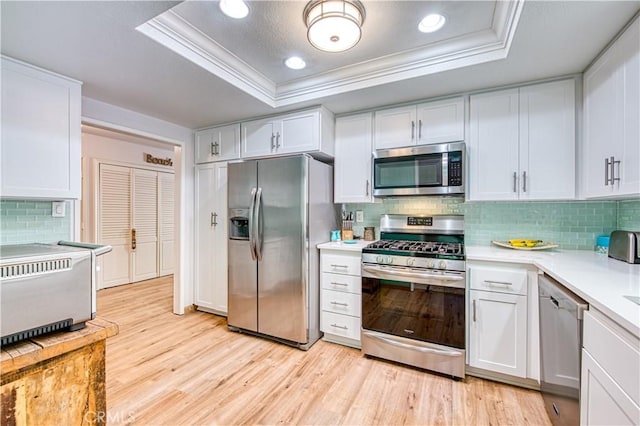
x=299 y=133
x=498 y=332
x=40 y=150
x=395 y=127
x=602 y=401
x=258 y=138
x=218 y=144
x=441 y=121
x=352 y=166
x=628 y=46
x=493 y=146
x=547 y=141
x=211 y=238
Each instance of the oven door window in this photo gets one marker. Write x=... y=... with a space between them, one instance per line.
x=430 y=313
x=408 y=172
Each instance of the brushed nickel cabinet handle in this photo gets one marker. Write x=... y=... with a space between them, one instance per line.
x=515 y=182
x=490 y=282
x=214 y=219
x=419 y=129
x=474 y=310
x=339 y=266
x=524 y=181
x=367 y=190
x=615 y=178
x=339 y=303
x=277 y=140
x=344 y=327
x=340 y=284
x=273 y=137
x=413 y=129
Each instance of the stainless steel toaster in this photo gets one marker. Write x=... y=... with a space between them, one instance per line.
x=46 y=287
x=625 y=246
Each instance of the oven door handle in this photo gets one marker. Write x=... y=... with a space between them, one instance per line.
x=417 y=277
x=416 y=348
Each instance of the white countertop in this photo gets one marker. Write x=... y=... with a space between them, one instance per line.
x=598 y=279
x=357 y=245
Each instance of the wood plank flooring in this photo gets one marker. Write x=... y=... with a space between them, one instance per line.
x=165 y=369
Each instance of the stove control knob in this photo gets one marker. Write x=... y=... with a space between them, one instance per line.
x=431 y=264
x=389 y=260
x=379 y=259
x=410 y=262
x=442 y=264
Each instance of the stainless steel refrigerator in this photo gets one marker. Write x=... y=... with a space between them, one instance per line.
x=279 y=209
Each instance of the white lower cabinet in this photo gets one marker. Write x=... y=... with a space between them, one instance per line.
x=211 y=238
x=502 y=315
x=610 y=384
x=498 y=332
x=340 y=296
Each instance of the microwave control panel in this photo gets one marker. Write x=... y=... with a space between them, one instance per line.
x=455 y=168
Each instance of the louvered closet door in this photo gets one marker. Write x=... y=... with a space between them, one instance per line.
x=114 y=226
x=145 y=224
x=165 y=222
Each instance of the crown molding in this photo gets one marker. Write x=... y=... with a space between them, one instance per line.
x=175 y=33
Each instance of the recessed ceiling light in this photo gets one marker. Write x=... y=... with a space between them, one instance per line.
x=236 y=9
x=295 y=63
x=431 y=23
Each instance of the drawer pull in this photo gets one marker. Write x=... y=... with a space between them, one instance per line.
x=339 y=304
x=491 y=282
x=340 y=284
x=344 y=327
x=339 y=266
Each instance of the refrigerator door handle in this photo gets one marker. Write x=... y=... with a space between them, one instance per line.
x=257 y=227
x=252 y=219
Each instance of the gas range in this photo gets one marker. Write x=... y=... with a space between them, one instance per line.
x=430 y=242
x=414 y=292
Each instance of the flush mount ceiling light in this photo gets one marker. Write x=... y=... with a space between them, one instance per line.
x=236 y=9
x=334 y=25
x=431 y=23
x=295 y=63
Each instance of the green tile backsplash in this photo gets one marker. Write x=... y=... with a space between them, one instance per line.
x=573 y=225
x=629 y=215
x=31 y=222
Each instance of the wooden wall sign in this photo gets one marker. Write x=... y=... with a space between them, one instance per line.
x=160 y=161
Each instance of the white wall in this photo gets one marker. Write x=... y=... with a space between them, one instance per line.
x=100 y=114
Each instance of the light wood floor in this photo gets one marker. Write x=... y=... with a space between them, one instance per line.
x=165 y=369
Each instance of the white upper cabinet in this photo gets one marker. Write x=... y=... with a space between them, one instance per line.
x=611 y=120
x=303 y=132
x=218 y=144
x=427 y=123
x=352 y=166
x=522 y=143
x=41 y=145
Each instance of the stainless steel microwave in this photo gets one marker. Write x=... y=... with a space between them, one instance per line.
x=437 y=169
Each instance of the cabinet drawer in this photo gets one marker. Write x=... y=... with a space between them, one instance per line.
x=617 y=351
x=497 y=279
x=348 y=264
x=339 y=282
x=341 y=303
x=340 y=325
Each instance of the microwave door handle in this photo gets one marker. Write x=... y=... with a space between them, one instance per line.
x=445 y=169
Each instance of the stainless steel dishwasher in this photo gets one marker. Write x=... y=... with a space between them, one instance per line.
x=561 y=314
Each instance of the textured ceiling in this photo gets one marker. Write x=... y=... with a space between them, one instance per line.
x=274 y=30
x=96 y=42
